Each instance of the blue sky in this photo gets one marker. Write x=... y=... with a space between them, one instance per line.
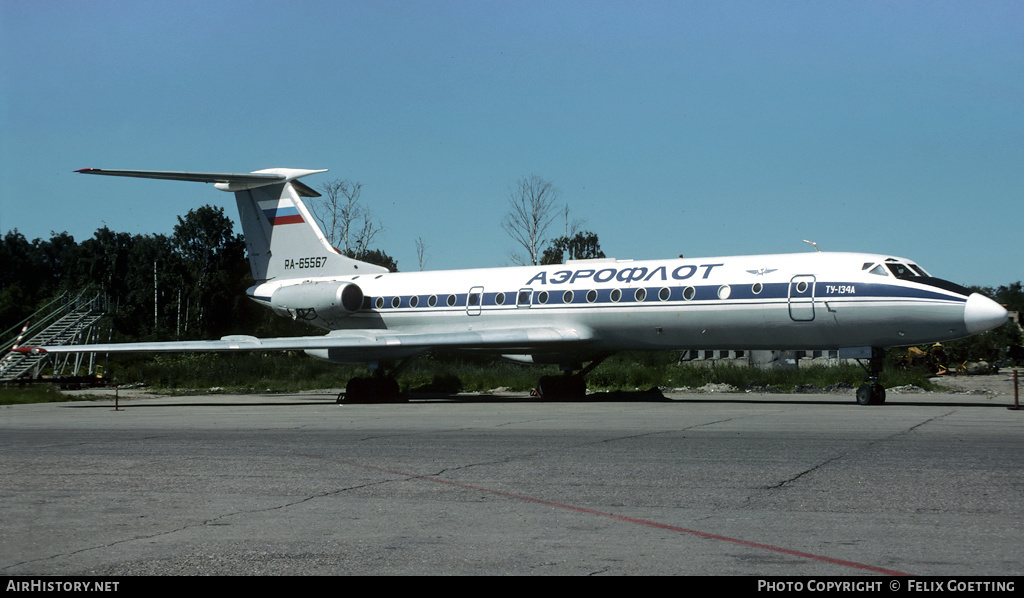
x=701 y=128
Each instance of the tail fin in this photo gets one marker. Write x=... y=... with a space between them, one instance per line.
x=281 y=236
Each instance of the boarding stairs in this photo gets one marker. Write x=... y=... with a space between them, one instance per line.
x=67 y=320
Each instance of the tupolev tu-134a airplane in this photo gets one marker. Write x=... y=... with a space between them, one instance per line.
x=570 y=314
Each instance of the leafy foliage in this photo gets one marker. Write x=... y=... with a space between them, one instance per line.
x=377 y=258
x=583 y=246
x=188 y=285
x=990 y=346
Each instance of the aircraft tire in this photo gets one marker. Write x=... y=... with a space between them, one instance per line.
x=870 y=394
x=562 y=388
x=372 y=390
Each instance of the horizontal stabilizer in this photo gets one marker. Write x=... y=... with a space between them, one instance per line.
x=225 y=181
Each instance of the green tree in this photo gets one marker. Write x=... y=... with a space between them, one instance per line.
x=583 y=246
x=1011 y=296
x=214 y=270
x=376 y=257
x=59 y=258
x=992 y=345
x=103 y=261
x=19 y=265
x=153 y=280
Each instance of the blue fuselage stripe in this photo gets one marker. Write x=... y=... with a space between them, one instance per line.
x=769 y=293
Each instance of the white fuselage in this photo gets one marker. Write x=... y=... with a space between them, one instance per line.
x=789 y=301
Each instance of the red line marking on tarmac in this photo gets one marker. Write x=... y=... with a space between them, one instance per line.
x=646 y=522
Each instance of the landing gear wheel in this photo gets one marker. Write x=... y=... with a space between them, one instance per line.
x=871 y=394
x=562 y=388
x=382 y=389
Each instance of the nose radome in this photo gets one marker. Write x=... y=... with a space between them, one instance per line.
x=982 y=313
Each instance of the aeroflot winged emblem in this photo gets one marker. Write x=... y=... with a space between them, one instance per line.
x=762 y=271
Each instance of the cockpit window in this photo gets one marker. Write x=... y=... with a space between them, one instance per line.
x=911 y=272
x=908 y=270
x=874 y=268
x=900 y=270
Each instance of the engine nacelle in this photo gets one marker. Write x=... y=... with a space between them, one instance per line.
x=312 y=300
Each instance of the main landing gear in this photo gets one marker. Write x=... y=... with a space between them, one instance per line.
x=872 y=392
x=381 y=387
x=374 y=389
x=568 y=386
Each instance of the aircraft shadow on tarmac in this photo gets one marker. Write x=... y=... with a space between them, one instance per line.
x=638 y=396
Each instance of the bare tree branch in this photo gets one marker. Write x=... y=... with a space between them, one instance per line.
x=571 y=228
x=345 y=222
x=421 y=252
x=532 y=205
x=363 y=238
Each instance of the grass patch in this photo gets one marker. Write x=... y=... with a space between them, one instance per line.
x=441 y=372
x=231 y=372
x=31 y=393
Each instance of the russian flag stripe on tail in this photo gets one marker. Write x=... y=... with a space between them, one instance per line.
x=281 y=212
x=283 y=217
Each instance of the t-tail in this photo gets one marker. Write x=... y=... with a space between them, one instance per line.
x=281 y=236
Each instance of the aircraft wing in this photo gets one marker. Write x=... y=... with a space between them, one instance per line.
x=378 y=342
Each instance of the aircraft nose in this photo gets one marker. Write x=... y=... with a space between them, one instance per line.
x=982 y=313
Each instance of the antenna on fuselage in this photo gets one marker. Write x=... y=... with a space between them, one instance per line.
x=812 y=244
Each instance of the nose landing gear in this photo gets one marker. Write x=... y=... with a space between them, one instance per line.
x=872 y=392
